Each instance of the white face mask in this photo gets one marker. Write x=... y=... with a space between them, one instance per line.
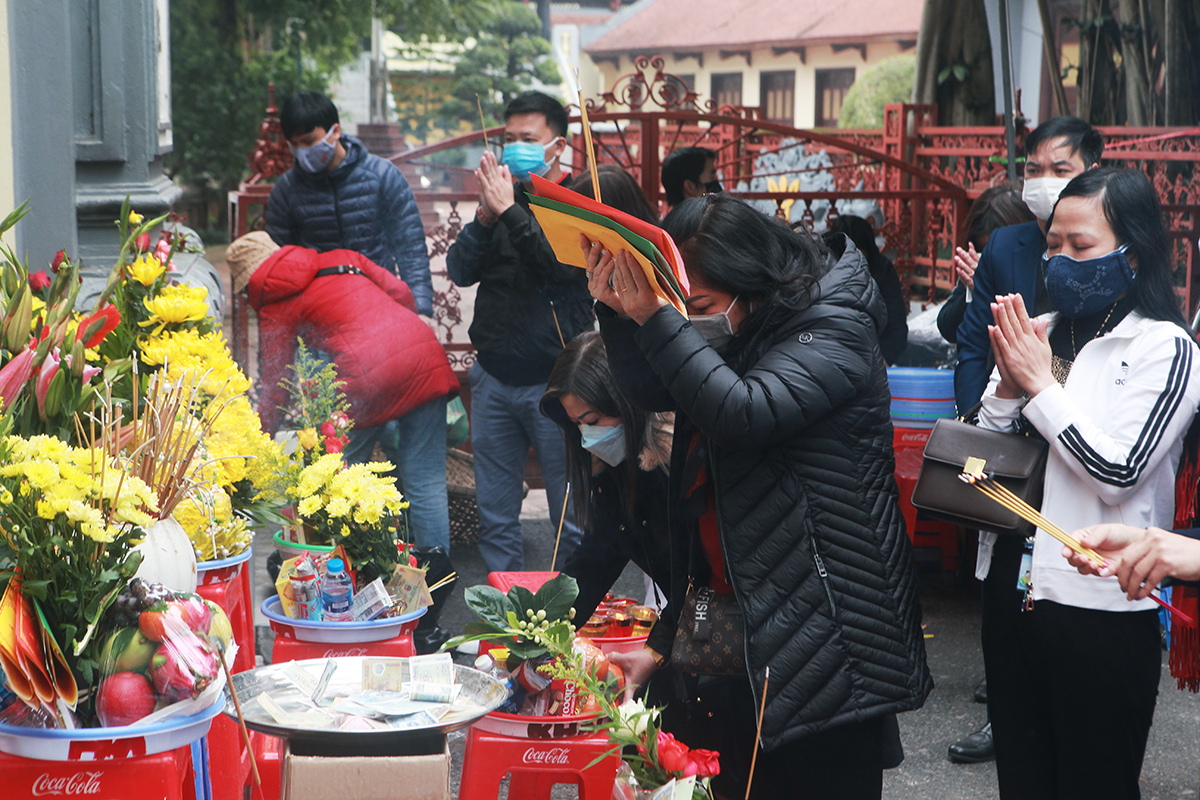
x=606 y=442
x=1040 y=194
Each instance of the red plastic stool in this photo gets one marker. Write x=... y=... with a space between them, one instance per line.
x=228 y=759
x=268 y=755
x=530 y=580
x=536 y=765
x=166 y=775
x=288 y=648
x=923 y=532
x=228 y=585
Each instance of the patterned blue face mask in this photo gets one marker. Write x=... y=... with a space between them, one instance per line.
x=1081 y=288
x=315 y=158
x=527 y=158
x=606 y=443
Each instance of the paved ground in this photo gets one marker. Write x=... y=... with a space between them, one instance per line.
x=952 y=628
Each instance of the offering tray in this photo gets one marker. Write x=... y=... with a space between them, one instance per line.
x=480 y=694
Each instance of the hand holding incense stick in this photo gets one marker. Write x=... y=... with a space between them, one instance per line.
x=995 y=491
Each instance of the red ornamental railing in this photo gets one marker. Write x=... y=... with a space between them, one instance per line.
x=916 y=179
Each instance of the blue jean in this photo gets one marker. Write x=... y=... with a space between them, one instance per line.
x=505 y=423
x=416 y=444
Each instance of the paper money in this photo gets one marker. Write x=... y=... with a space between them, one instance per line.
x=293 y=719
x=433 y=692
x=433 y=668
x=383 y=674
x=407 y=587
x=301 y=677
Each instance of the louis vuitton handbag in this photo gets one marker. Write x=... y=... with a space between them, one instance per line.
x=711 y=636
x=1018 y=462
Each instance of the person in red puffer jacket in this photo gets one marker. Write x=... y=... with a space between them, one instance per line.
x=395 y=372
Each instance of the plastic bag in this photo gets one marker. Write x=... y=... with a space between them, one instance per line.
x=165 y=664
x=457 y=423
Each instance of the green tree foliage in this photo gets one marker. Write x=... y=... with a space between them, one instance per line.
x=889 y=81
x=224 y=53
x=509 y=57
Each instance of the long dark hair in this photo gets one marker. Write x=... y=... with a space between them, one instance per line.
x=743 y=252
x=996 y=207
x=582 y=370
x=1133 y=212
x=618 y=189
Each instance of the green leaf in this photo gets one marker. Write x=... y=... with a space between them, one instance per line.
x=556 y=597
x=484 y=628
x=14 y=217
x=521 y=599
x=560 y=633
x=489 y=604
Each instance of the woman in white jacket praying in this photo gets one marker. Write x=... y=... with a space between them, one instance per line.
x=1111 y=380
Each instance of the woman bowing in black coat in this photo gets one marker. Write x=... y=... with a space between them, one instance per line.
x=781 y=488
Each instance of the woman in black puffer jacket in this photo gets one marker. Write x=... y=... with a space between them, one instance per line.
x=782 y=488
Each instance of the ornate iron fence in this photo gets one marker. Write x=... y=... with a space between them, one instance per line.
x=922 y=177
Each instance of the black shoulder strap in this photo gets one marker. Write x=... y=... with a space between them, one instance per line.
x=342 y=269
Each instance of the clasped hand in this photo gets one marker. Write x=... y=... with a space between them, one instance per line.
x=1022 y=349
x=619 y=283
x=495 y=187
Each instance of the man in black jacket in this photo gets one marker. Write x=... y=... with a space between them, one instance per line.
x=527 y=306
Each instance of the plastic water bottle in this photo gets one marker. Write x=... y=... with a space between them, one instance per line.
x=337 y=592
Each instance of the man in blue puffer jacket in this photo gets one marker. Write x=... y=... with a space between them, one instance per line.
x=339 y=196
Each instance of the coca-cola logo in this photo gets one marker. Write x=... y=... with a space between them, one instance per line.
x=552 y=755
x=344 y=651
x=79 y=783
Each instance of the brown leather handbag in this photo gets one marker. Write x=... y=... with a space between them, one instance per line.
x=711 y=636
x=1018 y=462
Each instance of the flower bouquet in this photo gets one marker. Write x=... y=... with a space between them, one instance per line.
x=111 y=420
x=332 y=503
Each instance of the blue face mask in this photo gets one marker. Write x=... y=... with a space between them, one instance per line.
x=606 y=443
x=527 y=158
x=314 y=158
x=1082 y=288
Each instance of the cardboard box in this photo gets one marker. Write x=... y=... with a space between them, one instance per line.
x=425 y=777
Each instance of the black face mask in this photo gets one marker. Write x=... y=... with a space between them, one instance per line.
x=713 y=187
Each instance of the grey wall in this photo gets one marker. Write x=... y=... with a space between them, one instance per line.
x=43 y=127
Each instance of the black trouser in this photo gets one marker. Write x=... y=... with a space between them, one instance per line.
x=842 y=763
x=1071 y=691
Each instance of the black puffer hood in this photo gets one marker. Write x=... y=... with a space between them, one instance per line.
x=849 y=284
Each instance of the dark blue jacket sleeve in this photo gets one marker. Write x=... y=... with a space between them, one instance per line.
x=406 y=238
x=971 y=374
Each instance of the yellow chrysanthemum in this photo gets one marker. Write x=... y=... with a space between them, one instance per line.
x=176 y=304
x=146 y=269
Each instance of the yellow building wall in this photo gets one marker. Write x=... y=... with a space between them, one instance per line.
x=761 y=60
x=7 y=181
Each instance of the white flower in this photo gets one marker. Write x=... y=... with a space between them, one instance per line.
x=634 y=717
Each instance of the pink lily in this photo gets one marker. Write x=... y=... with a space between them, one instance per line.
x=45 y=376
x=13 y=376
x=90 y=372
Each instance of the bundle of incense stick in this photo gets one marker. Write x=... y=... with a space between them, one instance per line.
x=1001 y=494
x=448 y=579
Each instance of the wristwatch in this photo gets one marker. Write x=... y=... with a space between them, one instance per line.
x=659 y=658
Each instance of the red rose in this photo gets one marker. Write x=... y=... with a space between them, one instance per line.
x=333 y=445
x=143 y=242
x=38 y=280
x=327 y=429
x=57 y=262
x=672 y=755
x=706 y=763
